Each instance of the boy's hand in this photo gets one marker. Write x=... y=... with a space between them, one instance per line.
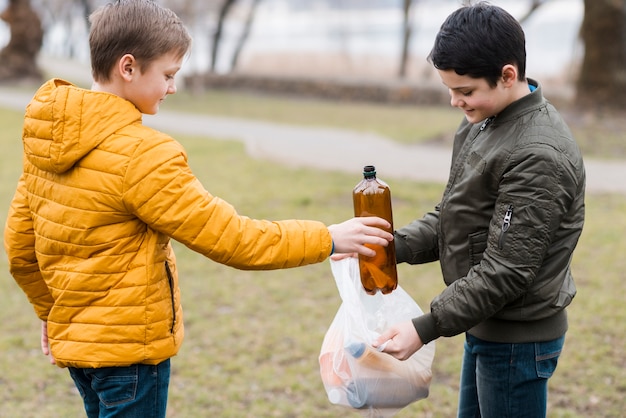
x=45 y=348
x=401 y=340
x=352 y=235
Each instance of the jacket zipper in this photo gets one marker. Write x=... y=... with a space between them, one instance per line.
x=506 y=224
x=485 y=123
x=170 y=278
x=480 y=130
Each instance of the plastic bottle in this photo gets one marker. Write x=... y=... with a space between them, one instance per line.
x=334 y=369
x=373 y=359
x=383 y=393
x=372 y=197
x=398 y=385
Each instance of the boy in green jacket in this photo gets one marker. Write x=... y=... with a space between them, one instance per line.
x=506 y=226
x=88 y=231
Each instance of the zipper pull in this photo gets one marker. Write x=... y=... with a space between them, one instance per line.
x=486 y=122
x=506 y=224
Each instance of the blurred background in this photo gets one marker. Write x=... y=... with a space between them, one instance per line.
x=252 y=343
x=247 y=42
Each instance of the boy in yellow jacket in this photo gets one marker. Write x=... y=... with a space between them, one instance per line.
x=89 y=228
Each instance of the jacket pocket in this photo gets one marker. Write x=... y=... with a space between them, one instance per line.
x=170 y=279
x=477 y=246
x=506 y=224
x=521 y=233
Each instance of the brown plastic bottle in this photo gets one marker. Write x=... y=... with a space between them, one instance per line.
x=372 y=197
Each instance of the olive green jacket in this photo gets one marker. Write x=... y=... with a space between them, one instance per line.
x=505 y=229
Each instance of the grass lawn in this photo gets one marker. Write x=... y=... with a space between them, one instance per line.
x=252 y=338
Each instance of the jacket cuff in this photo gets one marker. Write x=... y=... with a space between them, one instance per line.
x=426 y=328
x=402 y=250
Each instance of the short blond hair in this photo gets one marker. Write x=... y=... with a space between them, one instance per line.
x=138 y=27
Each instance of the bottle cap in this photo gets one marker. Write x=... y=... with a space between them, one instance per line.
x=356 y=350
x=369 y=170
x=334 y=396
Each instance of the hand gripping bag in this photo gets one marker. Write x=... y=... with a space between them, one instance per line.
x=358 y=376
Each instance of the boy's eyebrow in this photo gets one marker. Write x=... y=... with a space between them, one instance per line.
x=456 y=88
x=459 y=88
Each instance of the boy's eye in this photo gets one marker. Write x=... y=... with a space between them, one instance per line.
x=466 y=93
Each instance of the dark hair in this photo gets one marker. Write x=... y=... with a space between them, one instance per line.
x=138 y=27
x=478 y=41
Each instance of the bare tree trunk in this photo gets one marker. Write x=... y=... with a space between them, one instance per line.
x=602 y=80
x=406 y=39
x=18 y=59
x=245 y=34
x=217 y=35
x=534 y=5
x=86 y=5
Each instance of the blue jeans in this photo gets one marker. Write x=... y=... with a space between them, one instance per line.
x=506 y=380
x=137 y=391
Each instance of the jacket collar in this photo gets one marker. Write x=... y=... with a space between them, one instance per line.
x=528 y=103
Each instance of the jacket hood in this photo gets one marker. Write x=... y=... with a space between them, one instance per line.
x=64 y=122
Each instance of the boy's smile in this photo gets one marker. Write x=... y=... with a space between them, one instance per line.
x=474 y=96
x=477 y=99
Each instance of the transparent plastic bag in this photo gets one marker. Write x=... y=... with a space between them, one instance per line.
x=355 y=374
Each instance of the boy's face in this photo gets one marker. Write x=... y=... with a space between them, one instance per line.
x=148 y=89
x=474 y=96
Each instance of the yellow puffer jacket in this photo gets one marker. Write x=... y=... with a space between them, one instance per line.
x=88 y=230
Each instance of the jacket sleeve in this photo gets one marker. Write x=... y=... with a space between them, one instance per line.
x=417 y=242
x=164 y=193
x=535 y=193
x=19 y=243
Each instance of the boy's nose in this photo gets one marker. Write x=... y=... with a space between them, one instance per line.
x=455 y=100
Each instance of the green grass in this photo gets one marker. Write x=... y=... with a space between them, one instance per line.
x=252 y=338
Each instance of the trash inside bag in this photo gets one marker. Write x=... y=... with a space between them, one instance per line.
x=357 y=375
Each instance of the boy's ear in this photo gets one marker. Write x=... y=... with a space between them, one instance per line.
x=509 y=75
x=127 y=66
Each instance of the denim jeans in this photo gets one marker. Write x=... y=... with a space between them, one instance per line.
x=506 y=380
x=137 y=391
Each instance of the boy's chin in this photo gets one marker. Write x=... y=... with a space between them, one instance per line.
x=474 y=117
x=471 y=119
